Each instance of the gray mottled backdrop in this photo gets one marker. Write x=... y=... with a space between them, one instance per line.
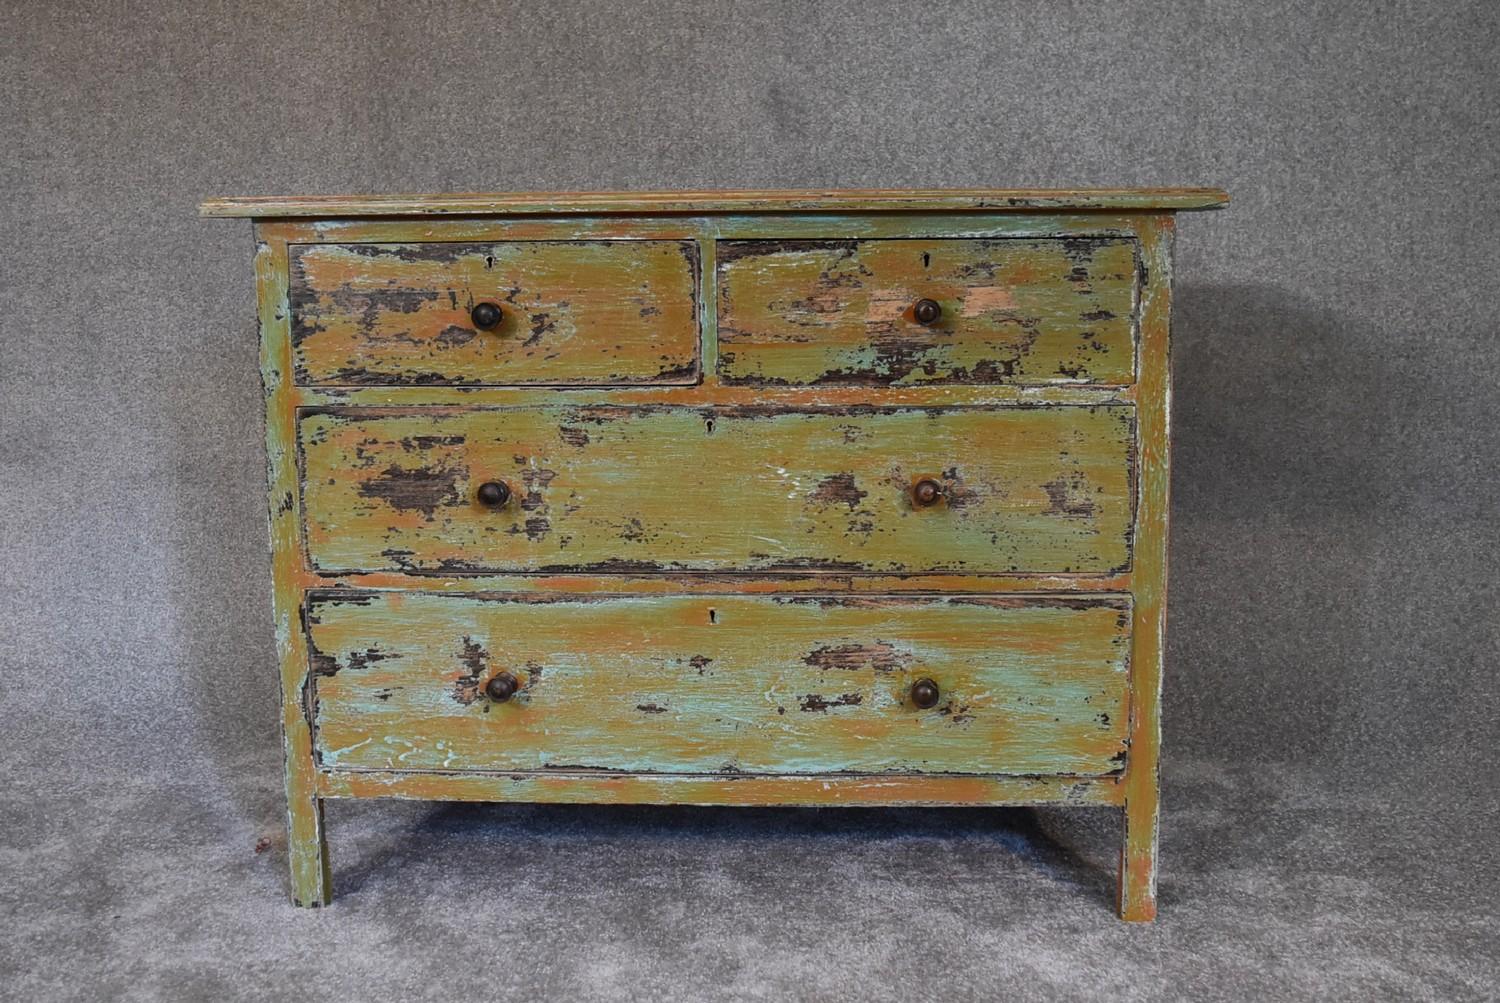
x=1331 y=697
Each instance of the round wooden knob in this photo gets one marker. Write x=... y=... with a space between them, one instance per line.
x=502 y=687
x=924 y=693
x=926 y=311
x=486 y=315
x=926 y=491
x=494 y=493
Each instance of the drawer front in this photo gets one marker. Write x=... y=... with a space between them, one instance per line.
x=1012 y=311
x=572 y=312
x=648 y=489
x=720 y=684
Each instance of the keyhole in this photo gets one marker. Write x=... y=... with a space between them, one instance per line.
x=489 y=261
x=926 y=259
x=708 y=423
x=713 y=615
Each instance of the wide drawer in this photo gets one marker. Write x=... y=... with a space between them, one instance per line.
x=587 y=312
x=649 y=489
x=720 y=684
x=1009 y=311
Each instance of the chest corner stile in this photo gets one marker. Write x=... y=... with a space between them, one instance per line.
x=720 y=498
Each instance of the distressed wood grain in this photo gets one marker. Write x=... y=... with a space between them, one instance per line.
x=724 y=684
x=1033 y=490
x=1137 y=887
x=841 y=311
x=575 y=312
x=870 y=200
x=307 y=850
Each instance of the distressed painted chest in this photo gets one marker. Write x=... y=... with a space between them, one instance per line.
x=740 y=498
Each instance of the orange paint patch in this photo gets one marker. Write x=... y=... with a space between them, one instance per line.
x=887 y=305
x=981 y=299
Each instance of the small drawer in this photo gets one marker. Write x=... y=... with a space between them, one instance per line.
x=560 y=313
x=1027 y=490
x=914 y=311
x=670 y=684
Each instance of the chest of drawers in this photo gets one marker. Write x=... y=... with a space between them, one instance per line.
x=742 y=498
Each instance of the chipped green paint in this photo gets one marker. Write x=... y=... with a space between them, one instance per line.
x=842 y=312
x=573 y=312
x=720 y=684
x=1028 y=490
x=307 y=853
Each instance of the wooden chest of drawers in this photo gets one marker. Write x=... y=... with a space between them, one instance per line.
x=757 y=498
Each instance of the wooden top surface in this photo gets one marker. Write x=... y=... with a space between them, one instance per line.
x=854 y=200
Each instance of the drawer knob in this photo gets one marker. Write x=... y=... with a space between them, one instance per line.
x=926 y=492
x=924 y=693
x=502 y=687
x=926 y=311
x=486 y=315
x=494 y=494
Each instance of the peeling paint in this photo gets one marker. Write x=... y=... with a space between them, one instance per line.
x=628 y=687
x=399 y=314
x=821 y=312
x=620 y=489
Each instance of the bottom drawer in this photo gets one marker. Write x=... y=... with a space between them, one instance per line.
x=1024 y=685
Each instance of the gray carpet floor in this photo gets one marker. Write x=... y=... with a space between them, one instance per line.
x=1275 y=885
